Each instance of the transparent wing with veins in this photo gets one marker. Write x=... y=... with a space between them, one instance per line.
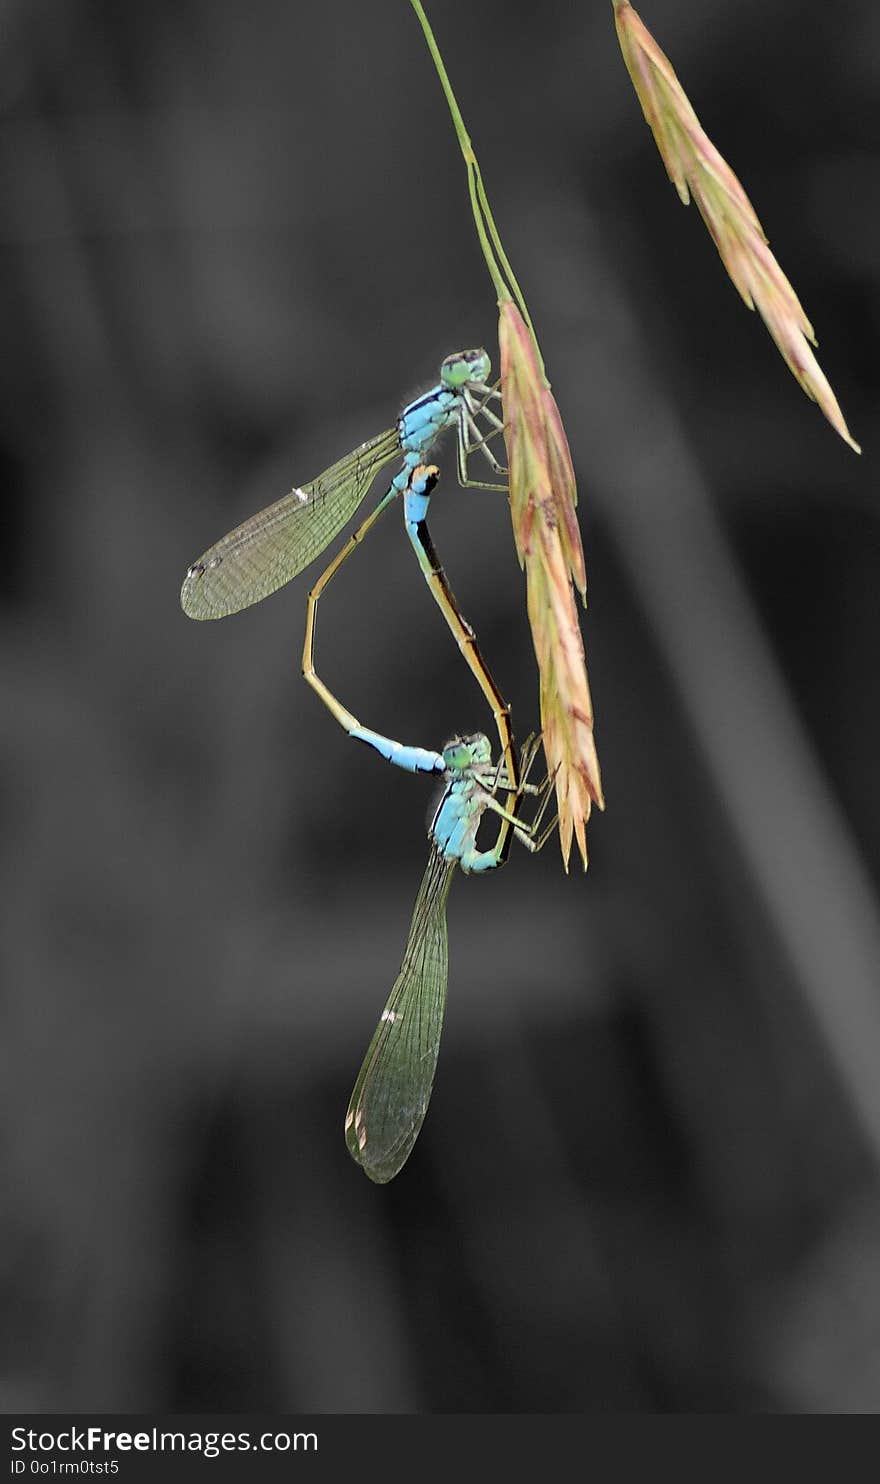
x=271 y=547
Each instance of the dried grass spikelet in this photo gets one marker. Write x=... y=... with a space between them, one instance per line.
x=696 y=169
x=542 y=506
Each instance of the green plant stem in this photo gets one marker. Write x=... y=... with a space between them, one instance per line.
x=491 y=245
x=501 y=290
x=486 y=212
x=463 y=136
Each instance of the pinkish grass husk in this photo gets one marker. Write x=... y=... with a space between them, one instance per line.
x=543 y=495
x=697 y=170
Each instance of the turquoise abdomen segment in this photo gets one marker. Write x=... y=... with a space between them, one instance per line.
x=411 y=759
x=415 y=512
x=416 y=499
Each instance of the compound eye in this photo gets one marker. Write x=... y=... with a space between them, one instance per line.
x=480 y=365
x=455 y=753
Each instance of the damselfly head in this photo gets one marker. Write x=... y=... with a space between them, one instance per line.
x=466 y=365
x=462 y=753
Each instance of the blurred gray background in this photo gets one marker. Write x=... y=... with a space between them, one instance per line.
x=235 y=239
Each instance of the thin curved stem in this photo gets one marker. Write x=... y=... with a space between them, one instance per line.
x=500 y=271
x=488 y=218
x=446 y=85
x=501 y=290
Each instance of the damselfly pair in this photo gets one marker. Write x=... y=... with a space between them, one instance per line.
x=253 y=561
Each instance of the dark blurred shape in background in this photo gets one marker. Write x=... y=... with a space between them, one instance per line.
x=234 y=241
